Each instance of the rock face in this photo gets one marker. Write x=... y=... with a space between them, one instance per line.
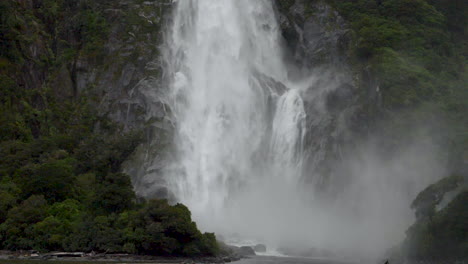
x=319 y=44
x=127 y=78
x=439 y=233
x=260 y=248
x=246 y=251
x=318 y=41
x=314 y=32
x=238 y=252
x=437 y=196
x=320 y=48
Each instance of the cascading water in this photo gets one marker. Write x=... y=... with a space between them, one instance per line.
x=226 y=70
x=240 y=128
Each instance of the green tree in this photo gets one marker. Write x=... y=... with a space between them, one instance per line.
x=53 y=179
x=114 y=194
x=9 y=196
x=18 y=230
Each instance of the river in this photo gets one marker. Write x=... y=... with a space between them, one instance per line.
x=253 y=260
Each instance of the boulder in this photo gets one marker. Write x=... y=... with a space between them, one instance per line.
x=246 y=251
x=236 y=253
x=260 y=248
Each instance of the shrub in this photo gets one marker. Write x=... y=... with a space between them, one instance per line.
x=53 y=179
x=114 y=194
x=18 y=230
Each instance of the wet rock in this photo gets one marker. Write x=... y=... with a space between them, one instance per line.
x=238 y=252
x=314 y=32
x=269 y=85
x=260 y=248
x=246 y=251
x=340 y=98
x=63 y=84
x=126 y=78
x=320 y=43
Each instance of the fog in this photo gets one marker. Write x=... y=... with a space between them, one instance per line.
x=366 y=218
x=247 y=138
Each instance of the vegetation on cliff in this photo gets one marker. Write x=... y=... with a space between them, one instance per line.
x=417 y=53
x=416 y=50
x=61 y=185
x=440 y=232
x=412 y=54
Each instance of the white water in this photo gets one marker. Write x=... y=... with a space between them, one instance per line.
x=240 y=126
x=227 y=137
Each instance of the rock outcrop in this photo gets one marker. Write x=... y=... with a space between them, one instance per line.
x=260 y=248
x=440 y=231
x=320 y=46
x=127 y=79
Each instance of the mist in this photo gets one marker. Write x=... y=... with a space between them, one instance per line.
x=250 y=141
x=368 y=215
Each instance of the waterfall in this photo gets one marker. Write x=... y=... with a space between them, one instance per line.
x=237 y=122
x=249 y=142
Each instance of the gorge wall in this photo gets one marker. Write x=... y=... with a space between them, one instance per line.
x=381 y=120
x=346 y=170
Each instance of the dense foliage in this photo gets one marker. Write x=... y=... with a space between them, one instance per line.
x=61 y=185
x=441 y=230
x=417 y=51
